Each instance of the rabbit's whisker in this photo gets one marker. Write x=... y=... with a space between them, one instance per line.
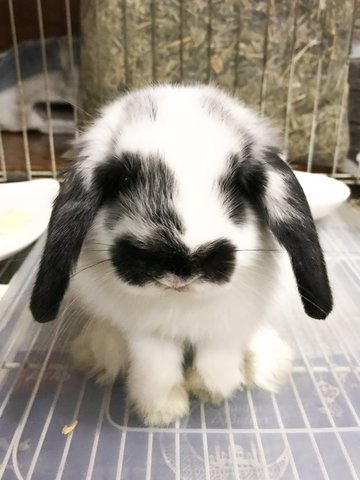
x=90 y=266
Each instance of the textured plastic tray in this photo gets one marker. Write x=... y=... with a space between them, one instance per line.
x=309 y=431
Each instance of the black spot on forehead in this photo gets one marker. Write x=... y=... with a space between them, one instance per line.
x=142 y=188
x=213 y=105
x=141 y=104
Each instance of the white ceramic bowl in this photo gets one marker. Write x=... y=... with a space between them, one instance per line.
x=323 y=193
x=29 y=205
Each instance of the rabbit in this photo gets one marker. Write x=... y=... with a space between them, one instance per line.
x=160 y=232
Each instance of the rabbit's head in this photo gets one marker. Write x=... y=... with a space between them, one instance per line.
x=169 y=184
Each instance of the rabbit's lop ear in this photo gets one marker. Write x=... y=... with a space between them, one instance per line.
x=73 y=213
x=289 y=218
x=277 y=195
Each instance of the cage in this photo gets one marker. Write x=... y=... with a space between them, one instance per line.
x=295 y=61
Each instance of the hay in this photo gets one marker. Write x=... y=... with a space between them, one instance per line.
x=286 y=58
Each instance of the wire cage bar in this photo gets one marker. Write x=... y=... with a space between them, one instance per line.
x=46 y=86
x=20 y=91
x=40 y=153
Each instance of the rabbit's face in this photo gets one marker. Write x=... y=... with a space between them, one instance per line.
x=169 y=217
x=172 y=183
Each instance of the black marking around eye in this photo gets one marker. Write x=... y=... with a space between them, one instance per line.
x=118 y=175
x=244 y=183
x=138 y=263
x=231 y=191
x=142 y=188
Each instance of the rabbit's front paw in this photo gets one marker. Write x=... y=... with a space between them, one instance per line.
x=268 y=361
x=216 y=373
x=196 y=385
x=100 y=351
x=175 y=406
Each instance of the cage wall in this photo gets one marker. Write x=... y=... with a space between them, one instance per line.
x=288 y=59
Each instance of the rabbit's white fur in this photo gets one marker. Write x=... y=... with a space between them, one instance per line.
x=147 y=327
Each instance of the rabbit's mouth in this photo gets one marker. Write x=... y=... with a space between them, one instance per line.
x=173 y=282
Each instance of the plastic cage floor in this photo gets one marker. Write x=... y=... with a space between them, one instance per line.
x=310 y=430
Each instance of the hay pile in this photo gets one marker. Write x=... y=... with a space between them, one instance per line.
x=287 y=58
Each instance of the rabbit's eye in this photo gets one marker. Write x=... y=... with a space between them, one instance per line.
x=118 y=175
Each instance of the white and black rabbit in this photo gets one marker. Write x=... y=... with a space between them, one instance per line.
x=175 y=192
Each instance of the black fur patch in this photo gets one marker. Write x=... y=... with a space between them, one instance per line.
x=214 y=106
x=243 y=184
x=138 y=187
x=216 y=260
x=298 y=235
x=127 y=185
x=152 y=109
x=118 y=176
x=140 y=263
x=140 y=105
x=73 y=213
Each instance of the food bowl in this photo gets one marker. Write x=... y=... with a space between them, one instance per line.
x=25 y=209
x=324 y=194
